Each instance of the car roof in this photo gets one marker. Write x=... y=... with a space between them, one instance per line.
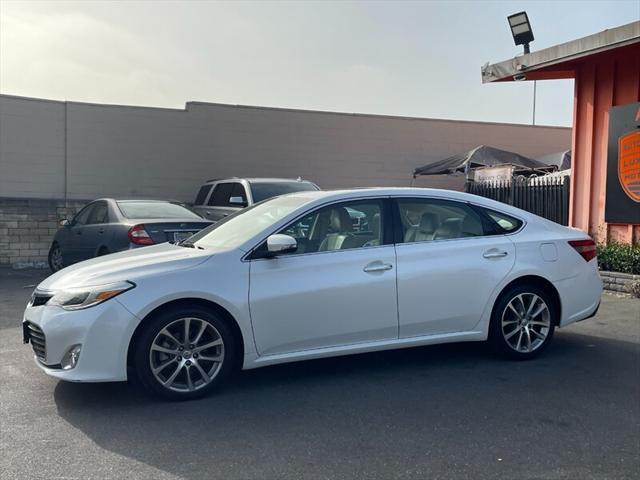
x=320 y=196
x=258 y=180
x=133 y=200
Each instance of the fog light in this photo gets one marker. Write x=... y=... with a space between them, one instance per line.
x=70 y=359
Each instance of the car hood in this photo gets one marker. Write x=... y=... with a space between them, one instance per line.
x=128 y=265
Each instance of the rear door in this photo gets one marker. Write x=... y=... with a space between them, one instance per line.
x=449 y=263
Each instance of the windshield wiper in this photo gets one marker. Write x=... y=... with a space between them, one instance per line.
x=190 y=245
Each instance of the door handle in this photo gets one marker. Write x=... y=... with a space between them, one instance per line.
x=494 y=254
x=101 y=230
x=377 y=267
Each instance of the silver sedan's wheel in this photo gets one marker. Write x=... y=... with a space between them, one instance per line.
x=526 y=322
x=187 y=354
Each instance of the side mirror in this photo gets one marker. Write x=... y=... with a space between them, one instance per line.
x=237 y=201
x=279 y=243
x=65 y=222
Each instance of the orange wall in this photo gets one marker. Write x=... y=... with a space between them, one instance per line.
x=602 y=81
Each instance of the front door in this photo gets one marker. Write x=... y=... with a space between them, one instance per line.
x=338 y=288
x=73 y=251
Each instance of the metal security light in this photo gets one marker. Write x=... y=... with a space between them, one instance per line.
x=521 y=29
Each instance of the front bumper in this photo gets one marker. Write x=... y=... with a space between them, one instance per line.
x=103 y=331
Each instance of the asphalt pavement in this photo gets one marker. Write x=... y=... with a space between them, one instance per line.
x=439 y=412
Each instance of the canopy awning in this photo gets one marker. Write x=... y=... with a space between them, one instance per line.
x=481 y=156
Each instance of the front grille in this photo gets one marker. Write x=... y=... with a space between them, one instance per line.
x=35 y=336
x=38 y=299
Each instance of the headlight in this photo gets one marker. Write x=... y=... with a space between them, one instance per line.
x=78 y=298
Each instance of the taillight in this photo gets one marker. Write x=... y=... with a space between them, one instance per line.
x=139 y=236
x=586 y=248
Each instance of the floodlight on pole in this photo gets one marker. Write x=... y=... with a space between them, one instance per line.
x=521 y=29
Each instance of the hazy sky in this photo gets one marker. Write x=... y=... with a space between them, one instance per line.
x=399 y=58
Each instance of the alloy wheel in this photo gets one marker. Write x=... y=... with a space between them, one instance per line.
x=526 y=322
x=187 y=354
x=56 y=259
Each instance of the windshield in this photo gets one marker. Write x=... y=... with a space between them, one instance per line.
x=236 y=229
x=264 y=190
x=155 y=210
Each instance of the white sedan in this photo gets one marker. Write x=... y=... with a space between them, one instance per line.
x=293 y=278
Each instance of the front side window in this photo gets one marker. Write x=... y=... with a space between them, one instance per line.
x=238 y=192
x=340 y=226
x=433 y=219
x=99 y=214
x=83 y=217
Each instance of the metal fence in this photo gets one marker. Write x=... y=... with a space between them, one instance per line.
x=544 y=196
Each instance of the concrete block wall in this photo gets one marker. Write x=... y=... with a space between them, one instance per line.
x=27 y=227
x=618 y=282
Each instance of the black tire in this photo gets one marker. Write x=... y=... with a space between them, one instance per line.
x=516 y=325
x=143 y=356
x=54 y=265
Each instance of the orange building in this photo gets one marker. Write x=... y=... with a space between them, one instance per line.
x=605 y=175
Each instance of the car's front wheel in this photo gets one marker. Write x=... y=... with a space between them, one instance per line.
x=184 y=353
x=523 y=322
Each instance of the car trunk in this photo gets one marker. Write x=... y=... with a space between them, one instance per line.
x=176 y=230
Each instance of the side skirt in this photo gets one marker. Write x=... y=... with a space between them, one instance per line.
x=254 y=361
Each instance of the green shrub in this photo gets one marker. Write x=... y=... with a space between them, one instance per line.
x=619 y=257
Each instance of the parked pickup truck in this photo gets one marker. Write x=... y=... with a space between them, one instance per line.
x=218 y=198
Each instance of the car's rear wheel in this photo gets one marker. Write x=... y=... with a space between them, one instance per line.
x=184 y=353
x=523 y=322
x=56 y=261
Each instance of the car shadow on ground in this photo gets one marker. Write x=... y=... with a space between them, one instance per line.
x=332 y=417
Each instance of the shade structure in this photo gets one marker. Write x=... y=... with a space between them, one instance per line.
x=481 y=156
x=561 y=159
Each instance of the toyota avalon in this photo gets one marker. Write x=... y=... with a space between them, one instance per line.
x=292 y=279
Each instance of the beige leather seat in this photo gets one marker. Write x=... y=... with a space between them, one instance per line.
x=340 y=226
x=450 y=228
x=375 y=232
x=425 y=230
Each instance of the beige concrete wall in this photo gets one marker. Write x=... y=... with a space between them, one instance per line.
x=146 y=152
x=32 y=148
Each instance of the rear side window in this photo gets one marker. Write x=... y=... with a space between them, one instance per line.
x=202 y=194
x=263 y=190
x=426 y=219
x=506 y=223
x=221 y=195
x=141 y=209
